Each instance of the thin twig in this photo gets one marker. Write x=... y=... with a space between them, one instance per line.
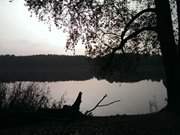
x=109 y=103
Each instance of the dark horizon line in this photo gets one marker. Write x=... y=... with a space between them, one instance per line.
x=14 y=55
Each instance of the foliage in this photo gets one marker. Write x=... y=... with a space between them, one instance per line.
x=3 y=94
x=59 y=104
x=19 y=97
x=103 y=26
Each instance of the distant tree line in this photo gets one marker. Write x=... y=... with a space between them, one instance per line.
x=125 y=68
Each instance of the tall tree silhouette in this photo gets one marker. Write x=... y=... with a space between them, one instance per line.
x=170 y=52
x=111 y=26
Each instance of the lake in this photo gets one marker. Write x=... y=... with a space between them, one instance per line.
x=135 y=98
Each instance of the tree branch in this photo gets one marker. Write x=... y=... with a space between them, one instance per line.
x=98 y=104
x=124 y=41
x=109 y=103
x=87 y=112
x=134 y=18
x=108 y=33
x=138 y=32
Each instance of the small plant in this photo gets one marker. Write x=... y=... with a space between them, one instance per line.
x=59 y=104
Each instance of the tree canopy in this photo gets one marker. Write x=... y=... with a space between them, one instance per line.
x=103 y=26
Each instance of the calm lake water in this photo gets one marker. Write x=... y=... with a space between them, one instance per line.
x=135 y=97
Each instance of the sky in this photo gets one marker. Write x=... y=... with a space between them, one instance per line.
x=21 y=34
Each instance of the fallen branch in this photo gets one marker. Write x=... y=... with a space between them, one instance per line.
x=98 y=105
x=109 y=103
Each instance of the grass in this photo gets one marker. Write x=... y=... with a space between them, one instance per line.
x=19 y=97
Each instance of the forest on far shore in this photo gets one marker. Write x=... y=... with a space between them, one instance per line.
x=123 y=68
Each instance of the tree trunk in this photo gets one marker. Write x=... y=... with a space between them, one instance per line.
x=178 y=14
x=169 y=52
x=76 y=105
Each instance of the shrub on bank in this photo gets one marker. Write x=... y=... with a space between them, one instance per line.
x=25 y=98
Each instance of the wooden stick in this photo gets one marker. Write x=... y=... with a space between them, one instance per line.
x=98 y=104
x=87 y=112
x=109 y=103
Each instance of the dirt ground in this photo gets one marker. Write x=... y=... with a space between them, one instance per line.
x=153 y=124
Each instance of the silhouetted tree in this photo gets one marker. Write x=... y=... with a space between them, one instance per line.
x=111 y=26
x=169 y=51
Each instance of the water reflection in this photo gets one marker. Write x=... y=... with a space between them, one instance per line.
x=135 y=97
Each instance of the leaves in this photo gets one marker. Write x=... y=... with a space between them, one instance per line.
x=102 y=26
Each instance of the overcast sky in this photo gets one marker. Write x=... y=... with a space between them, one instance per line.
x=21 y=34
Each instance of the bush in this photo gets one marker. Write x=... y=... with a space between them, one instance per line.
x=24 y=98
x=3 y=94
